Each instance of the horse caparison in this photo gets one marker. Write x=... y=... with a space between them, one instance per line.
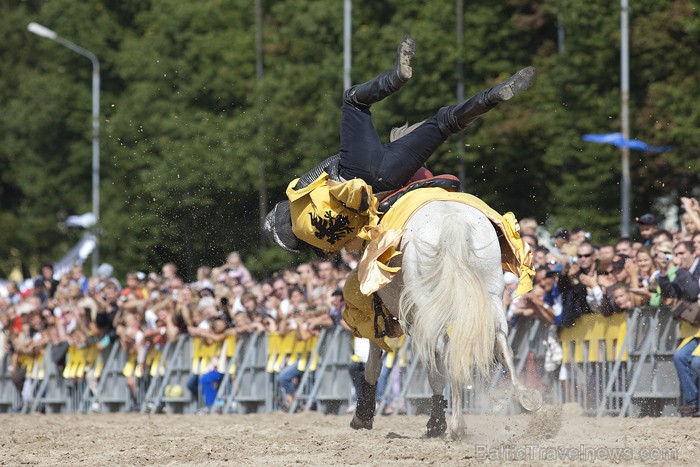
x=449 y=290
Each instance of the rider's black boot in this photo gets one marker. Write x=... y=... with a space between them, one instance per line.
x=365 y=94
x=455 y=118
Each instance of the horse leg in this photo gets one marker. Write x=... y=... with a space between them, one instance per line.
x=530 y=399
x=366 y=399
x=437 y=424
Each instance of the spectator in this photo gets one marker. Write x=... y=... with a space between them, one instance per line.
x=301 y=324
x=13 y=293
x=684 y=287
x=691 y=217
x=337 y=306
x=696 y=244
x=539 y=257
x=325 y=282
x=622 y=297
x=647 y=228
x=645 y=271
x=282 y=307
x=528 y=226
x=133 y=285
x=578 y=236
x=235 y=269
x=662 y=254
x=104 y=274
x=212 y=375
x=562 y=248
x=547 y=279
x=621 y=270
x=306 y=278
x=533 y=306
x=605 y=252
x=624 y=247
x=108 y=306
x=661 y=236
x=573 y=291
x=531 y=240
x=45 y=283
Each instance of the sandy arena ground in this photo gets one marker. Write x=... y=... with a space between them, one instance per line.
x=555 y=436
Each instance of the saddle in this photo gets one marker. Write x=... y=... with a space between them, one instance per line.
x=447 y=182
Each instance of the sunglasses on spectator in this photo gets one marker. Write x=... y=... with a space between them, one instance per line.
x=586 y=256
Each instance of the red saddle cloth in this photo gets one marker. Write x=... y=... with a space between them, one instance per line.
x=447 y=182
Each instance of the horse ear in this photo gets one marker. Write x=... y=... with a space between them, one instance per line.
x=400 y=132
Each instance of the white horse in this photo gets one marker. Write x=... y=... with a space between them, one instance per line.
x=449 y=290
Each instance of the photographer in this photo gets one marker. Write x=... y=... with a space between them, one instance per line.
x=684 y=287
x=577 y=273
x=108 y=306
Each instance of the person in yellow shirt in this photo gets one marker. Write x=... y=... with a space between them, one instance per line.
x=328 y=206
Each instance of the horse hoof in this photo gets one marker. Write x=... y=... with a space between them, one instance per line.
x=359 y=424
x=436 y=427
x=530 y=399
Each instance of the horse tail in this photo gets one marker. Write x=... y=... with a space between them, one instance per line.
x=448 y=296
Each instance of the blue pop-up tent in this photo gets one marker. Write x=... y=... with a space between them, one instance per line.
x=616 y=139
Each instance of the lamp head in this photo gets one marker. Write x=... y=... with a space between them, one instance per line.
x=42 y=31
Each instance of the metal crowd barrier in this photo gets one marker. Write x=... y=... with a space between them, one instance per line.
x=618 y=365
x=622 y=364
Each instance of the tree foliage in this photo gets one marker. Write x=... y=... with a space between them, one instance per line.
x=187 y=129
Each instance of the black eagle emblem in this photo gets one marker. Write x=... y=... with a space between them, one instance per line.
x=329 y=227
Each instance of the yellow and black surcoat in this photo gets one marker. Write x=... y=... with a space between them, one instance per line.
x=328 y=214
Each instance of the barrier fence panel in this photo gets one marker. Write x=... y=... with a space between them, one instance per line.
x=616 y=365
x=308 y=364
x=8 y=393
x=51 y=393
x=226 y=394
x=654 y=384
x=157 y=375
x=622 y=364
x=332 y=390
x=393 y=375
x=253 y=383
x=172 y=396
x=114 y=393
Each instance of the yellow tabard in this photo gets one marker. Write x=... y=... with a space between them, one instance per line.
x=384 y=239
x=326 y=213
x=359 y=312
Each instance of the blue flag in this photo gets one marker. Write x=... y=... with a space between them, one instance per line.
x=616 y=139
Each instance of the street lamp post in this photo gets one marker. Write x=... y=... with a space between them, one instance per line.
x=625 y=120
x=43 y=31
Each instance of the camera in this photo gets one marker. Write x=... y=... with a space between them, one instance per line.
x=573 y=260
x=668 y=257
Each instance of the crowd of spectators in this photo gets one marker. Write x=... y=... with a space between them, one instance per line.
x=150 y=309
x=575 y=275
